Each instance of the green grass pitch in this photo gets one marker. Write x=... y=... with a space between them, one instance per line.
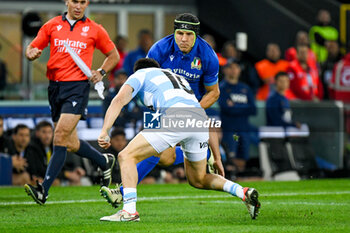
x=305 y=206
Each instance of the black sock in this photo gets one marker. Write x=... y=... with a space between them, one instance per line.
x=87 y=151
x=55 y=166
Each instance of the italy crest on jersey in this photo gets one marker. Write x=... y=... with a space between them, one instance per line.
x=196 y=63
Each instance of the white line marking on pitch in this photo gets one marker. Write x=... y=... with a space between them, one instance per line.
x=289 y=203
x=306 y=193
x=191 y=197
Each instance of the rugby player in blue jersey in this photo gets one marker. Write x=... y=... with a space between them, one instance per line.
x=187 y=54
x=173 y=98
x=184 y=53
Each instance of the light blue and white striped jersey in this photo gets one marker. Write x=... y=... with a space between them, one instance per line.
x=160 y=89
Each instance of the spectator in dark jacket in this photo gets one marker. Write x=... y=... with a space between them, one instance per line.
x=73 y=170
x=145 y=42
x=131 y=112
x=237 y=103
x=18 y=147
x=39 y=154
x=249 y=74
x=4 y=141
x=118 y=143
x=327 y=67
x=278 y=112
x=39 y=151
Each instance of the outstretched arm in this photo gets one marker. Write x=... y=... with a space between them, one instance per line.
x=123 y=97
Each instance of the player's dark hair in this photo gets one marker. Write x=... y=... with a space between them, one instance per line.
x=145 y=63
x=117 y=131
x=42 y=124
x=187 y=17
x=19 y=127
x=280 y=74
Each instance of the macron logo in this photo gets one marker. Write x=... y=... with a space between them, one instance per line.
x=59 y=27
x=74 y=103
x=171 y=57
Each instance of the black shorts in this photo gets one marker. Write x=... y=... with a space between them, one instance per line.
x=68 y=97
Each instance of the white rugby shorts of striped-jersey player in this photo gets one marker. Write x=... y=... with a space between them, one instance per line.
x=161 y=89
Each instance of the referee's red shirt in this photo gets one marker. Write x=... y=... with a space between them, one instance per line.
x=82 y=37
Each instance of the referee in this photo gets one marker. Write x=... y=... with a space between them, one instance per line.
x=68 y=90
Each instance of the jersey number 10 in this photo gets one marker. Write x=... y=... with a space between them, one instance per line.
x=176 y=80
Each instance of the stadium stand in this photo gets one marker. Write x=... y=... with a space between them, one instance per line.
x=328 y=129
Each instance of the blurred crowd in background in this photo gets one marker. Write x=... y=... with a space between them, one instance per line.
x=312 y=69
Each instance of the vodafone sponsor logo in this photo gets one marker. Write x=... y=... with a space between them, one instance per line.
x=77 y=46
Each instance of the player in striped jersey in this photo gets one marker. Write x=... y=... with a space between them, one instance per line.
x=187 y=54
x=164 y=91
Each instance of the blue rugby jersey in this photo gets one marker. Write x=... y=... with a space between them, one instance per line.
x=278 y=111
x=161 y=89
x=235 y=117
x=200 y=67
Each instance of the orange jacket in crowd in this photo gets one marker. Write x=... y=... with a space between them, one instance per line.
x=305 y=84
x=339 y=88
x=222 y=60
x=267 y=70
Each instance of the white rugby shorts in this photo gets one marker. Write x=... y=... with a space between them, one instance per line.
x=193 y=144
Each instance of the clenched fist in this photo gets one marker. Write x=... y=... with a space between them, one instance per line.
x=33 y=53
